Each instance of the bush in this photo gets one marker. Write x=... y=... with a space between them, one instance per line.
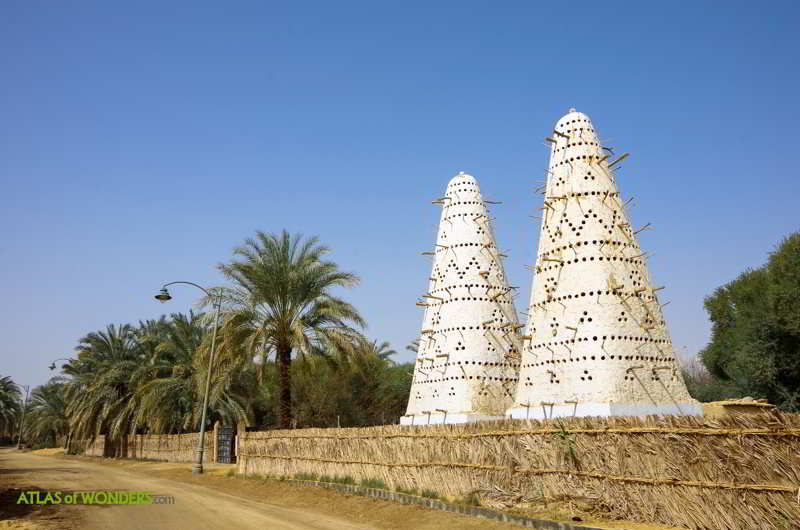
x=373 y=483
x=429 y=494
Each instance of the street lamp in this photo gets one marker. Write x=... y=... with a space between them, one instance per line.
x=164 y=296
x=53 y=364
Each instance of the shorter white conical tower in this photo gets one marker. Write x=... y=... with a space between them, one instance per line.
x=599 y=344
x=469 y=348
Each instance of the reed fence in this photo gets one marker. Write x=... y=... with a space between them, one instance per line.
x=170 y=447
x=738 y=472
x=165 y=447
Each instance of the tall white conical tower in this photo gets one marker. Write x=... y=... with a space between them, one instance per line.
x=599 y=342
x=469 y=349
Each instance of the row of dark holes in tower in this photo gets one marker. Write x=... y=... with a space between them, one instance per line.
x=563 y=263
x=604 y=337
x=592 y=193
x=572 y=159
x=468 y=285
x=490 y=245
x=611 y=242
x=451 y=203
x=462 y=184
x=482 y=327
x=466 y=377
x=575 y=129
x=592 y=258
x=466 y=214
x=563 y=124
x=498 y=300
x=579 y=358
x=490 y=364
x=586 y=339
x=577 y=144
x=592 y=293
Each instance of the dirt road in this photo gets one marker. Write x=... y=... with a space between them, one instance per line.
x=195 y=507
x=212 y=500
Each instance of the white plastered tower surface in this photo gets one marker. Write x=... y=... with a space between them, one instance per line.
x=599 y=344
x=469 y=346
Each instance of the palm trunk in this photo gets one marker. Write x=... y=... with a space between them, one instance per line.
x=285 y=385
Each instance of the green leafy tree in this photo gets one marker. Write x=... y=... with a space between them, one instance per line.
x=365 y=387
x=282 y=303
x=755 y=341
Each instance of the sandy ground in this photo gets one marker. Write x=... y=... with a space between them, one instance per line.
x=196 y=506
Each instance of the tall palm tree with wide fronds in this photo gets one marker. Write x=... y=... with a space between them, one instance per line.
x=282 y=303
x=46 y=423
x=10 y=406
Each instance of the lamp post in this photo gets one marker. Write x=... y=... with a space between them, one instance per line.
x=69 y=434
x=22 y=420
x=163 y=296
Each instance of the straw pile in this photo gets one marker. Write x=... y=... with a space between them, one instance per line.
x=738 y=472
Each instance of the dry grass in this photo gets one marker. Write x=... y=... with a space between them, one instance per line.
x=738 y=472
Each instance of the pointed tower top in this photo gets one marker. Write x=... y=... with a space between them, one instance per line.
x=573 y=117
x=462 y=177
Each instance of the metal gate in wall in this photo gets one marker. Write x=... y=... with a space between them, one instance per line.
x=225 y=444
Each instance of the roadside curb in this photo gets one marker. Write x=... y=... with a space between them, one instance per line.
x=475 y=511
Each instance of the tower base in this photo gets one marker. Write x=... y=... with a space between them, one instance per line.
x=441 y=418
x=539 y=412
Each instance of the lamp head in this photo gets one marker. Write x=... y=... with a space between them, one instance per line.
x=163 y=295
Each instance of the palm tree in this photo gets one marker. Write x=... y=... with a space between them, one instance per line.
x=383 y=350
x=46 y=423
x=378 y=389
x=281 y=303
x=10 y=406
x=169 y=384
x=100 y=396
x=165 y=384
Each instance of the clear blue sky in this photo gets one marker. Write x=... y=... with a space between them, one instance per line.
x=140 y=142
